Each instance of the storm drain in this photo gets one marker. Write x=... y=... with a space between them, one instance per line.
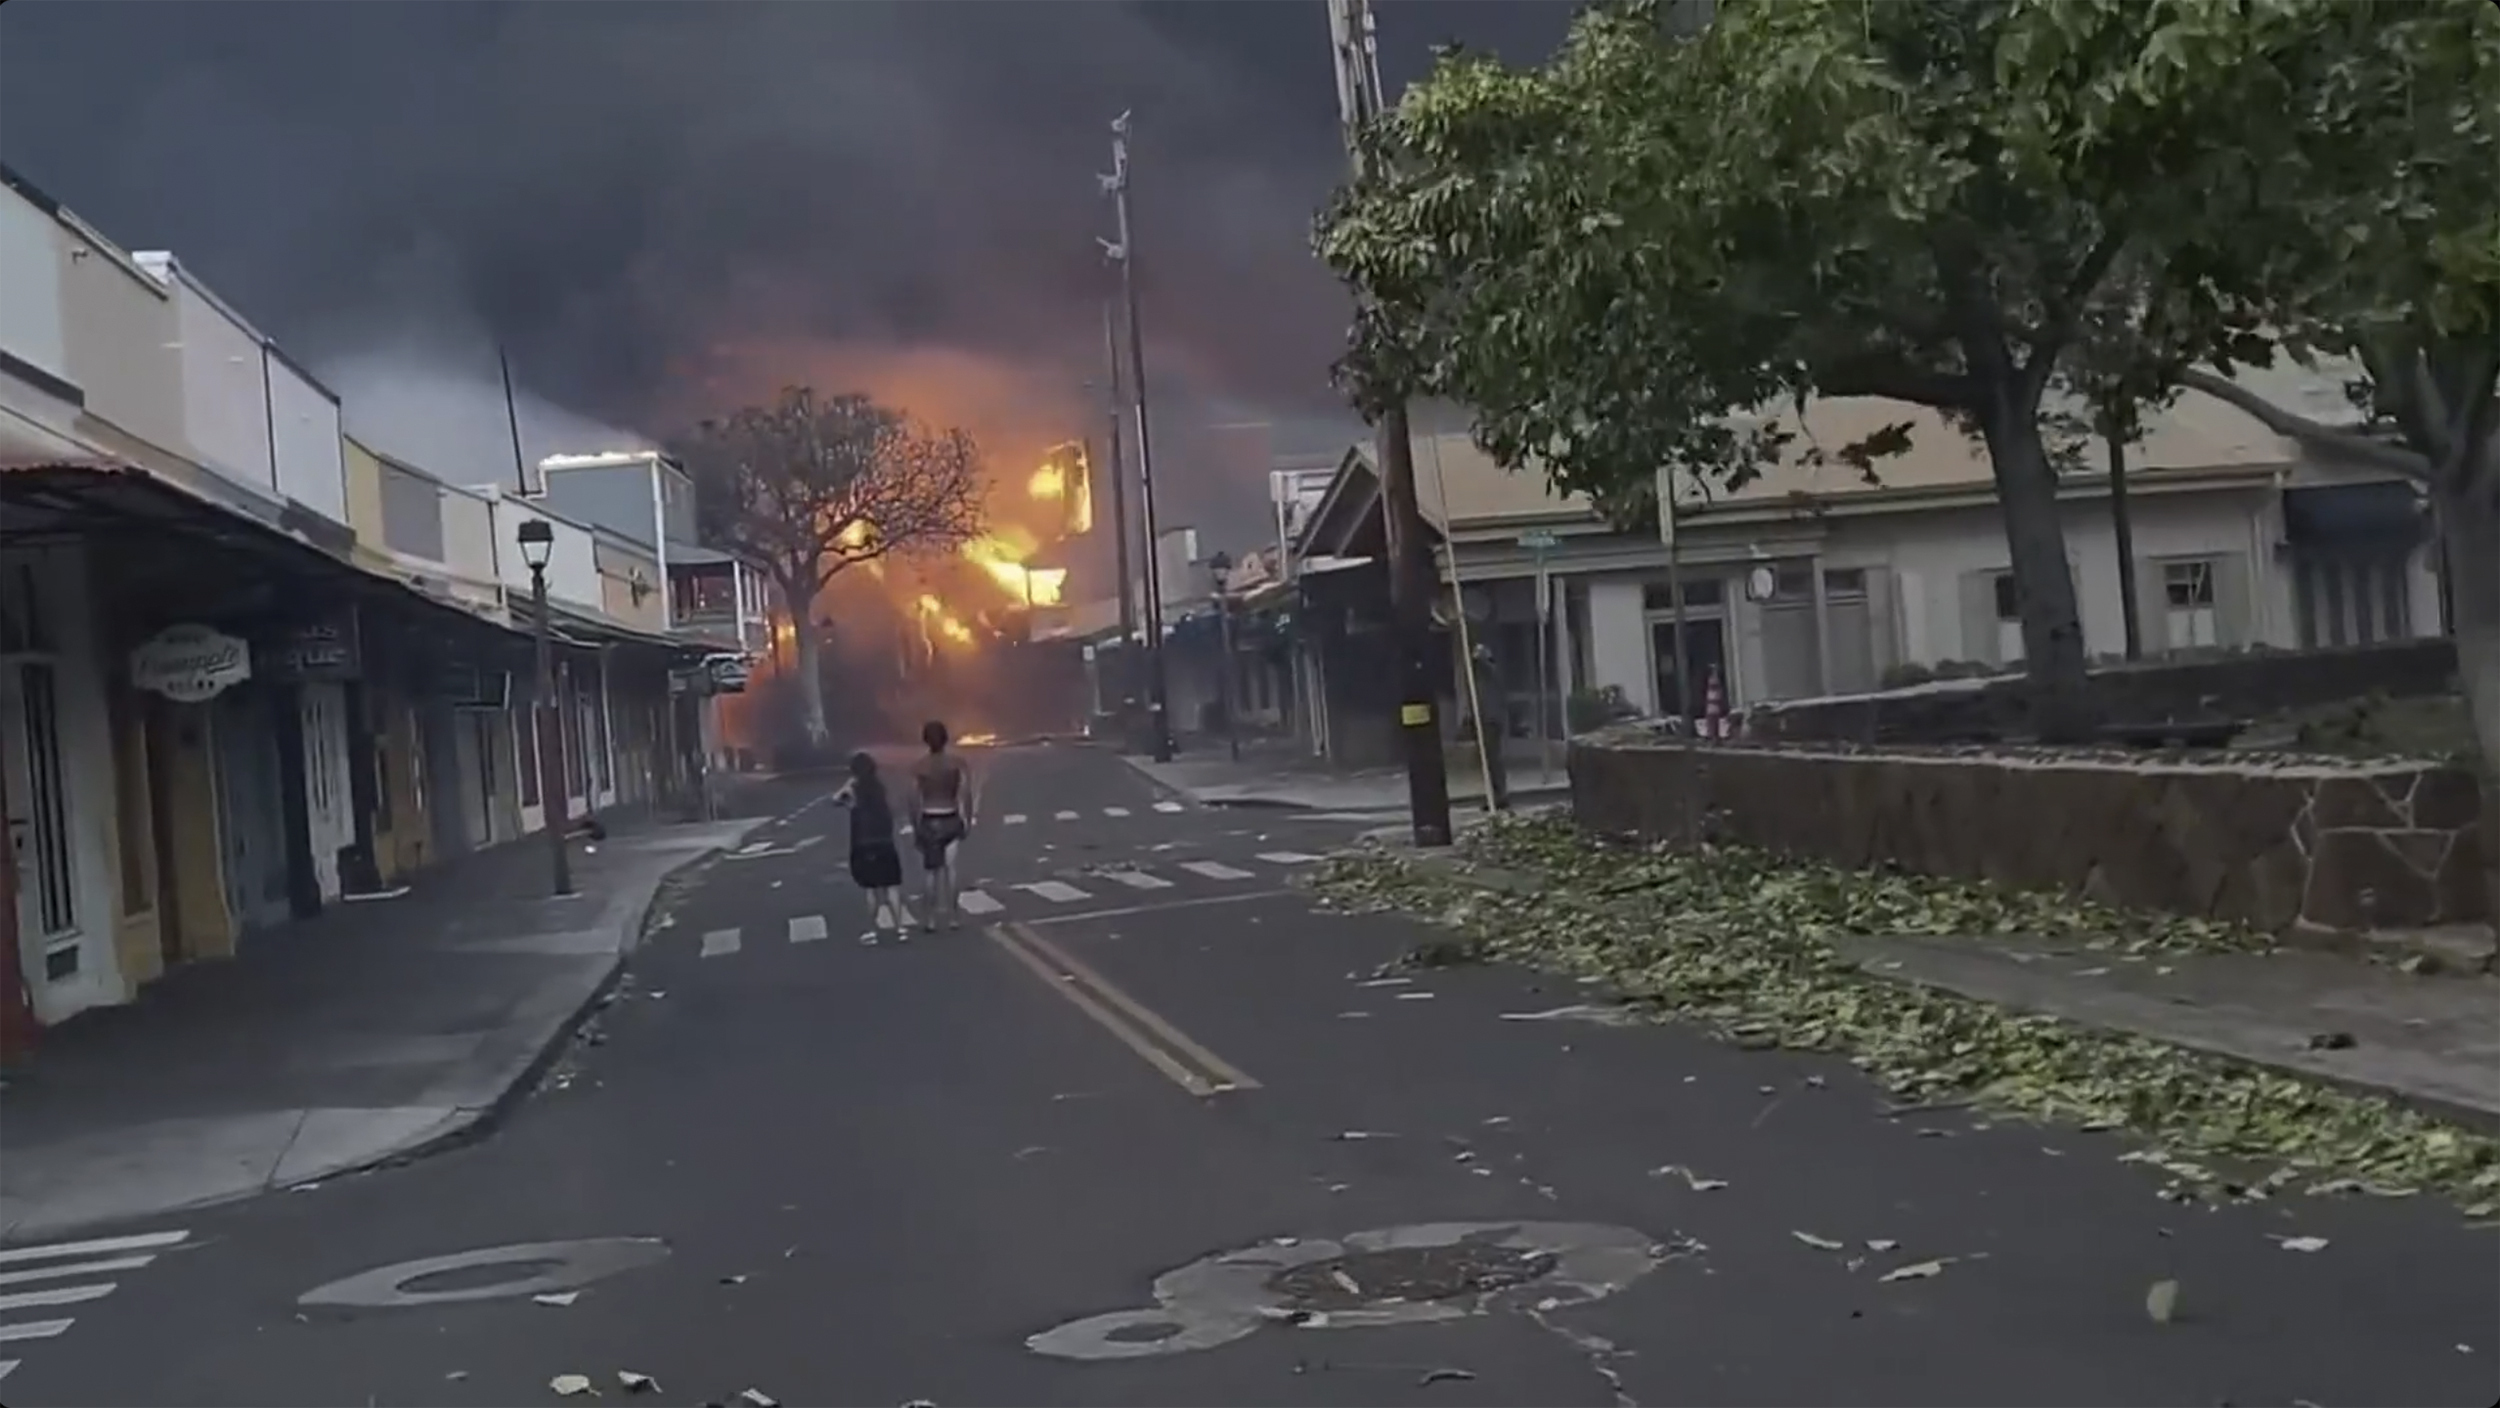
x=1356 y=1280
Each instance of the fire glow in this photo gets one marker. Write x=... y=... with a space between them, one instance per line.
x=1002 y=555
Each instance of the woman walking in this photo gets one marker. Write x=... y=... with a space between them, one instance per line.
x=876 y=864
x=943 y=798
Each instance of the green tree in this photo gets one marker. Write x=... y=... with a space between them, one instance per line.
x=812 y=485
x=2383 y=252
x=1612 y=259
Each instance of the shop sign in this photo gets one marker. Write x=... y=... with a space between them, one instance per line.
x=327 y=649
x=190 y=664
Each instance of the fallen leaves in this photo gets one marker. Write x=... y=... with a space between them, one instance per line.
x=2301 y=1244
x=1916 y=1271
x=1744 y=943
x=1818 y=1243
x=558 y=1298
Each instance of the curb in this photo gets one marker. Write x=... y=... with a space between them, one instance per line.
x=514 y=1079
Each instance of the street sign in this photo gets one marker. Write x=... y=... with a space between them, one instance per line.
x=1539 y=540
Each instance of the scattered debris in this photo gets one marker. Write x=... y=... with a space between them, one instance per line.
x=1435 y=1376
x=1353 y=1136
x=456 y=1375
x=572 y=1385
x=557 y=1297
x=1030 y=1150
x=2302 y=1244
x=1692 y=1180
x=1880 y=1244
x=1916 y=1271
x=2161 y=1301
x=737 y=1280
x=2332 y=1041
x=1418 y=996
x=1818 y=1243
x=1497 y=1119
x=757 y=1398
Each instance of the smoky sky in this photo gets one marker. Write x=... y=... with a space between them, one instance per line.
x=661 y=206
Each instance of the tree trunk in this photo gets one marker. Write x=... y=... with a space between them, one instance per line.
x=2035 y=541
x=807 y=655
x=2470 y=531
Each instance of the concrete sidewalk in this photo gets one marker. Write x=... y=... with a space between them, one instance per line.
x=2433 y=1042
x=1275 y=774
x=375 y=1030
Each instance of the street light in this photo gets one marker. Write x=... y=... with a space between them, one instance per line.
x=1220 y=567
x=538 y=542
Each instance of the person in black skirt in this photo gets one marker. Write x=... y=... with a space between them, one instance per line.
x=876 y=864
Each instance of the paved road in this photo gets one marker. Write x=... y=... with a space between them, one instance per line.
x=871 y=1173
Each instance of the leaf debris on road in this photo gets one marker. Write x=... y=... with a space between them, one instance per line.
x=572 y=1385
x=2161 y=1301
x=557 y=1297
x=1737 y=939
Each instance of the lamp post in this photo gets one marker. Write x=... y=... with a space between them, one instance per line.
x=538 y=540
x=1220 y=567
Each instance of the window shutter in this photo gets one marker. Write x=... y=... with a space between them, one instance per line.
x=1979 y=618
x=1883 y=625
x=2152 y=607
x=2233 y=601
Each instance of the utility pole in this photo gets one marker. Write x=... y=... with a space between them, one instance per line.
x=1124 y=252
x=1411 y=575
x=1124 y=688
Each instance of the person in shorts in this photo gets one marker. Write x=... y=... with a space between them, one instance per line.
x=876 y=864
x=942 y=806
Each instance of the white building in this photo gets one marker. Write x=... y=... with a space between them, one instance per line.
x=1812 y=581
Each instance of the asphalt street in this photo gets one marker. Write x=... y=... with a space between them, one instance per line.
x=875 y=1174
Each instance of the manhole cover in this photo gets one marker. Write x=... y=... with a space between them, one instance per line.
x=1408 y=1274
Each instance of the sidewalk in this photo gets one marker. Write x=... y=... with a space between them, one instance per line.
x=1279 y=773
x=2431 y=1041
x=372 y=1031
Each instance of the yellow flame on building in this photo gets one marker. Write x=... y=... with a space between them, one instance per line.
x=1049 y=482
x=1002 y=557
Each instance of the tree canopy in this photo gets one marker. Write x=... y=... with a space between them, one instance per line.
x=811 y=485
x=1613 y=257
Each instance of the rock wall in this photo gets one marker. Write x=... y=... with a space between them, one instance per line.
x=2240 y=686
x=2288 y=846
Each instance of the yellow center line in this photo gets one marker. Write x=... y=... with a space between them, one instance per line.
x=1225 y=1072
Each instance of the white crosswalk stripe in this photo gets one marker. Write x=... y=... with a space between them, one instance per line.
x=1289 y=858
x=1138 y=879
x=1115 y=811
x=1169 y=807
x=977 y=902
x=807 y=928
x=719 y=942
x=1215 y=870
x=1056 y=891
x=71 y=1263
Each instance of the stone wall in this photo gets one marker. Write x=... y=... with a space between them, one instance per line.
x=2242 y=686
x=2288 y=846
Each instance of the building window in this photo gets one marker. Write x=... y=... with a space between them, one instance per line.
x=1698 y=592
x=1839 y=582
x=2349 y=600
x=2188 y=599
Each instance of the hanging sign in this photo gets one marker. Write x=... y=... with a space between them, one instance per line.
x=190 y=664
x=326 y=649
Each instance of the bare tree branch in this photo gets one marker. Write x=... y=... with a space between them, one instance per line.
x=2315 y=434
x=811 y=485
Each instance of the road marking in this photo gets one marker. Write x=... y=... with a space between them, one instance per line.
x=1013 y=818
x=33 y=1330
x=720 y=941
x=75 y=1268
x=58 y=1295
x=1169 y=807
x=1238 y=897
x=1066 y=985
x=1115 y=811
x=1056 y=891
x=5 y=1366
x=1215 y=870
x=1064 y=816
x=807 y=928
x=1290 y=858
x=1138 y=879
x=1226 y=1075
x=977 y=902
x=139 y=1241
